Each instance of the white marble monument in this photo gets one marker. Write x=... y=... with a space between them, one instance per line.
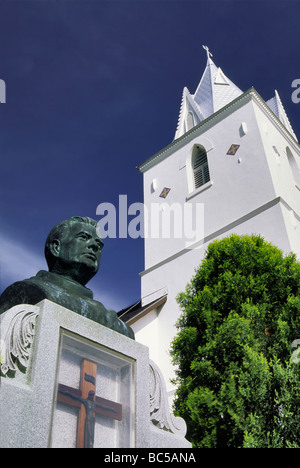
x=67 y=381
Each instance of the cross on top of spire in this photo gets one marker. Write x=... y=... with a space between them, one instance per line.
x=209 y=54
x=214 y=91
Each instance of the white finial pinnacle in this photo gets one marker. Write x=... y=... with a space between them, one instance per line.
x=209 y=54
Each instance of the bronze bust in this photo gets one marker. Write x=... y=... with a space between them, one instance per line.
x=73 y=251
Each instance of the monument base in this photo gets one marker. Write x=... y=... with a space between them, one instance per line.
x=67 y=381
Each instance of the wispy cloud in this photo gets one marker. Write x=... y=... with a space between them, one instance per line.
x=17 y=261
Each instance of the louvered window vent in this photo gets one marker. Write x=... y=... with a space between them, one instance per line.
x=200 y=167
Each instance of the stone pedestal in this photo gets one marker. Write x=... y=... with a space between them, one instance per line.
x=43 y=352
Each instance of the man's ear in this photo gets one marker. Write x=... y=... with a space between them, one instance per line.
x=55 y=247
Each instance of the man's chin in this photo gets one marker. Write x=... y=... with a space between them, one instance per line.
x=88 y=267
x=90 y=261
x=81 y=271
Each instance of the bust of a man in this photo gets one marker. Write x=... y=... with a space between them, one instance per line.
x=73 y=251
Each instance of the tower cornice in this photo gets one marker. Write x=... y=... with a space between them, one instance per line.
x=218 y=116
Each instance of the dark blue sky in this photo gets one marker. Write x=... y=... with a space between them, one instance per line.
x=94 y=89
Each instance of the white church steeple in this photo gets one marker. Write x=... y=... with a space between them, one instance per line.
x=215 y=90
x=234 y=167
x=276 y=106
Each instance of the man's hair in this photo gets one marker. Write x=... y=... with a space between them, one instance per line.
x=60 y=231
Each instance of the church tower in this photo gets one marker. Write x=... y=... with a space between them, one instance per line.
x=233 y=167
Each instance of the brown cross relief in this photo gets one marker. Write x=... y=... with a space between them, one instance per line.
x=89 y=405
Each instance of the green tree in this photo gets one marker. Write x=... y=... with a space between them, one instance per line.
x=238 y=385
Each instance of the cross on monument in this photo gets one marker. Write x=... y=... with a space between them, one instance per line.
x=89 y=405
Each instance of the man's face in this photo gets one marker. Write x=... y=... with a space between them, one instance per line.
x=82 y=245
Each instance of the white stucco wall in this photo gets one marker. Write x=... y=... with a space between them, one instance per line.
x=252 y=192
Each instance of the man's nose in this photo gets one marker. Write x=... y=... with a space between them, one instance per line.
x=94 y=245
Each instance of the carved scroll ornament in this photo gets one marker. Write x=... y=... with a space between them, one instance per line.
x=18 y=336
x=160 y=414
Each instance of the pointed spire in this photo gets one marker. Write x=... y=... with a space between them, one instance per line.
x=189 y=114
x=276 y=106
x=214 y=91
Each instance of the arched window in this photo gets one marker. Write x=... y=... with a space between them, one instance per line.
x=200 y=166
x=294 y=166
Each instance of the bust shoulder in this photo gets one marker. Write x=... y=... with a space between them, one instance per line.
x=27 y=291
x=65 y=292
